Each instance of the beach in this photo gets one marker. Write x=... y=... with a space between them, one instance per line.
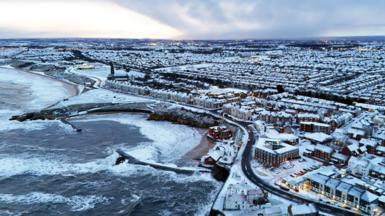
x=200 y=150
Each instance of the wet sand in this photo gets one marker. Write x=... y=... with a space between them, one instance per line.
x=200 y=150
x=71 y=88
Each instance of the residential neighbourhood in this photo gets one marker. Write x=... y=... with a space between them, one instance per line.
x=301 y=123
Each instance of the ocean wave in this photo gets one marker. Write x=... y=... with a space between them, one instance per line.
x=11 y=166
x=77 y=203
x=172 y=141
x=7 y=125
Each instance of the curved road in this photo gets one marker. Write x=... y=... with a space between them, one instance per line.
x=249 y=173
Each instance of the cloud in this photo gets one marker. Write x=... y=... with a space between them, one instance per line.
x=207 y=19
x=194 y=19
x=85 y=18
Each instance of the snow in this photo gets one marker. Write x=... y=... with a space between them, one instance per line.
x=318 y=137
x=303 y=209
x=100 y=72
x=102 y=96
x=169 y=141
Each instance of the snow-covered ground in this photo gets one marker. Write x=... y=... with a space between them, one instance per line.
x=100 y=72
x=169 y=142
x=102 y=96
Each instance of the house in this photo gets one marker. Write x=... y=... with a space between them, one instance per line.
x=359 y=166
x=314 y=127
x=308 y=117
x=380 y=151
x=222 y=153
x=303 y=210
x=330 y=187
x=278 y=118
x=351 y=150
x=354 y=196
x=219 y=133
x=288 y=138
x=381 y=201
x=269 y=211
x=273 y=152
x=211 y=159
x=377 y=171
x=355 y=133
x=367 y=201
x=380 y=137
x=370 y=145
x=317 y=182
x=318 y=137
x=339 y=139
x=342 y=191
x=240 y=196
x=339 y=159
x=323 y=152
x=340 y=120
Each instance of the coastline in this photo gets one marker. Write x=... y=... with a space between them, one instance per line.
x=201 y=149
x=72 y=88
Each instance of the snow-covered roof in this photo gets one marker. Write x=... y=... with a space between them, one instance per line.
x=266 y=145
x=355 y=191
x=344 y=187
x=368 y=142
x=369 y=197
x=339 y=156
x=303 y=209
x=332 y=183
x=324 y=148
x=318 y=137
x=316 y=177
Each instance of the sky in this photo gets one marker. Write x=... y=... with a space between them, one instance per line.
x=191 y=19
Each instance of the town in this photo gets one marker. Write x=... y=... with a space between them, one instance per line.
x=302 y=123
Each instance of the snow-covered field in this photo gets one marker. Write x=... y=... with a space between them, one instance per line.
x=169 y=141
x=100 y=72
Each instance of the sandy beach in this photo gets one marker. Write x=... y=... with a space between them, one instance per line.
x=200 y=150
x=72 y=88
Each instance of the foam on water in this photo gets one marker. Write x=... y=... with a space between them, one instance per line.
x=77 y=203
x=11 y=166
x=171 y=140
x=7 y=125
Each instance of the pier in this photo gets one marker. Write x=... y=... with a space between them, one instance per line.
x=180 y=170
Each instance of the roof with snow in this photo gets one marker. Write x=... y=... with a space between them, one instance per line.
x=318 y=137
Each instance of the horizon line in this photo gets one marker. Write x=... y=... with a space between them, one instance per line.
x=211 y=39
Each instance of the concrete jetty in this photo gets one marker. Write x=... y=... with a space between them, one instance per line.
x=182 y=170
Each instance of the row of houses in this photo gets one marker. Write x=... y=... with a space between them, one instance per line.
x=342 y=192
x=197 y=100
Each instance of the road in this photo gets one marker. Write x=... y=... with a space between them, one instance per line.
x=249 y=173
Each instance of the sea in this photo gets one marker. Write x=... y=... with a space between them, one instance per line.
x=47 y=168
